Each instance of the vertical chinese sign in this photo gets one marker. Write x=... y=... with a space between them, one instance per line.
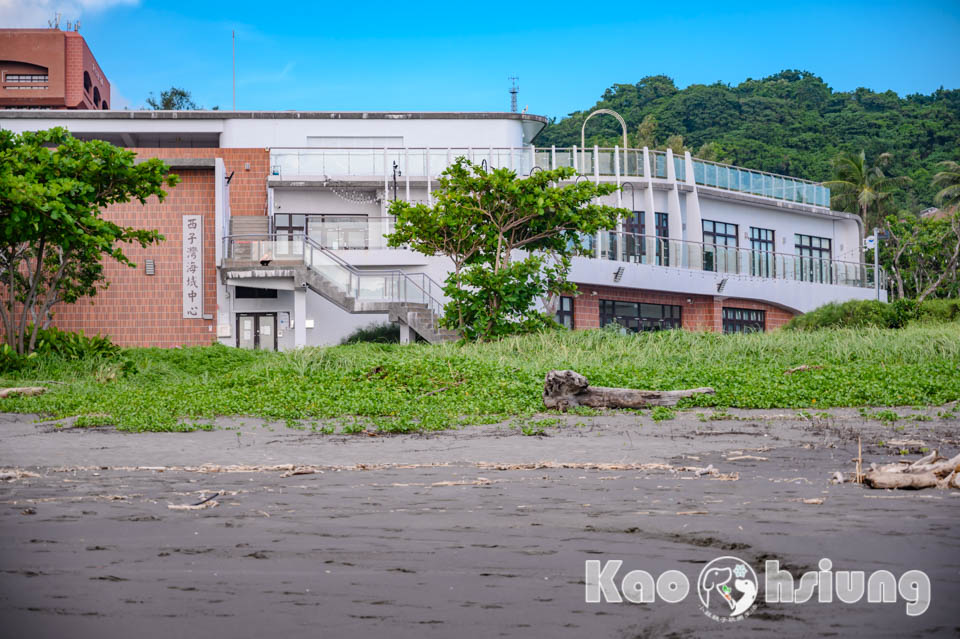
x=193 y=266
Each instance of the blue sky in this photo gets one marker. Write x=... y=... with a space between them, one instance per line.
x=458 y=55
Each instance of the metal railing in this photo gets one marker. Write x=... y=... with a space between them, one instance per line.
x=606 y=162
x=645 y=249
x=349 y=232
x=380 y=285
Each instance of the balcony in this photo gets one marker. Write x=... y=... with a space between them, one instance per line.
x=422 y=163
x=731 y=260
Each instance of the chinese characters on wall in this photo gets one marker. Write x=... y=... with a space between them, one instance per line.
x=193 y=266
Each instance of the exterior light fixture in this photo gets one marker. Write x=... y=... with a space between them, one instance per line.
x=721 y=285
x=618 y=274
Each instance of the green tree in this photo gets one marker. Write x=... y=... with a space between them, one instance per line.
x=173 y=99
x=921 y=255
x=53 y=239
x=948 y=181
x=483 y=221
x=862 y=189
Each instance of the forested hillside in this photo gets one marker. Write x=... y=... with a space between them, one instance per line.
x=790 y=123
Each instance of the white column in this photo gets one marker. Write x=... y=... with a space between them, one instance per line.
x=694 y=220
x=405 y=334
x=426 y=159
x=300 y=317
x=406 y=167
x=553 y=156
x=649 y=219
x=674 y=218
x=616 y=171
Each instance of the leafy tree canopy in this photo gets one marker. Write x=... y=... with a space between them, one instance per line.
x=510 y=240
x=790 y=123
x=174 y=99
x=53 y=239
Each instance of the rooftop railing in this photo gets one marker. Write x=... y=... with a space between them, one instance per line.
x=596 y=162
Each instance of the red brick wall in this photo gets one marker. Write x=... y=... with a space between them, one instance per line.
x=141 y=310
x=248 y=188
x=701 y=313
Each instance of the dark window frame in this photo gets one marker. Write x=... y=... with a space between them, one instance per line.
x=712 y=232
x=763 y=247
x=815 y=255
x=253 y=293
x=743 y=320
x=565 y=313
x=639 y=316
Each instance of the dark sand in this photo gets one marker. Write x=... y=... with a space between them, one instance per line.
x=452 y=546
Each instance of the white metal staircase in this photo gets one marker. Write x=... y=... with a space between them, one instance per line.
x=412 y=299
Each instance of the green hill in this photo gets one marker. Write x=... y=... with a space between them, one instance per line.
x=790 y=123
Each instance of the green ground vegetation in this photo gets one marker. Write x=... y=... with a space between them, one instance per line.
x=398 y=388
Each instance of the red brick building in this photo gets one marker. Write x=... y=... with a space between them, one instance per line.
x=50 y=69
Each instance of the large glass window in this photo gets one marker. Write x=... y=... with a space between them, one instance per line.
x=290 y=229
x=565 y=312
x=719 y=247
x=762 y=246
x=815 y=255
x=743 y=320
x=636 y=316
x=635 y=226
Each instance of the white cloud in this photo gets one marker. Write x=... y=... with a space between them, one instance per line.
x=36 y=13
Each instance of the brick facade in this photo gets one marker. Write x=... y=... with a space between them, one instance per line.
x=64 y=57
x=146 y=310
x=699 y=312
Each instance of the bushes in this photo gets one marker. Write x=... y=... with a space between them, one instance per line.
x=383 y=333
x=74 y=345
x=864 y=313
x=58 y=344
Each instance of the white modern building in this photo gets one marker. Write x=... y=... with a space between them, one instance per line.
x=293 y=209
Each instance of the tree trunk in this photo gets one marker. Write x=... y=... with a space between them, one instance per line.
x=565 y=389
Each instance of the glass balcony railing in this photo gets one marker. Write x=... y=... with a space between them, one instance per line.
x=605 y=162
x=697 y=256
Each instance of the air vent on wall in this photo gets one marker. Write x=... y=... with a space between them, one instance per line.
x=150 y=267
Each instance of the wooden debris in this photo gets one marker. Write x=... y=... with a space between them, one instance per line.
x=566 y=389
x=805 y=367
x=931 y=471
x=747 y=457
x=813 y=501
x=201 y=506
x=10 y=474
x=22 y=390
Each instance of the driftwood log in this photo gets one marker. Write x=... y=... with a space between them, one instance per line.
x=566 y=389
x=928 y=472
x=23 y=390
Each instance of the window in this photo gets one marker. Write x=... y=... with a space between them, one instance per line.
x=762 y=248
x=104 y=106
x=635 y=226
x=26 y=77
x=250 y=293
x=743 y=320
x=636 y=317
x=96 y=96
x=719 y=247
x=290 y=229
x=565 y=312
x=86 y=82
x=815 y=255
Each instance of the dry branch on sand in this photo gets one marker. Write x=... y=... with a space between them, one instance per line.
x=567 y=389
x=22 y=390
x=932 y=471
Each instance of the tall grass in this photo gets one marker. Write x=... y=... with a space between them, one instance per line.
x=398 y=387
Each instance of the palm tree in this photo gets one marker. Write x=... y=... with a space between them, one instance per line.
x=858 y=188
x=948 y=197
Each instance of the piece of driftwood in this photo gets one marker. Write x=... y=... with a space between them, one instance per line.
x=881 y=479
x=23 y=390
x=927 y=472
x=566 y=389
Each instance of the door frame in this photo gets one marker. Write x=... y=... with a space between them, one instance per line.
x=256 y=335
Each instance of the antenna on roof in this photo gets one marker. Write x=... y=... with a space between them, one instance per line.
x=55 y=22
x=514 y=90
